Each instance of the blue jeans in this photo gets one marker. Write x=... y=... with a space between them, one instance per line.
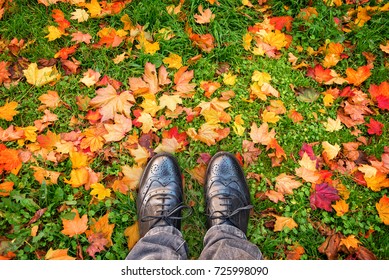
x=221 y=242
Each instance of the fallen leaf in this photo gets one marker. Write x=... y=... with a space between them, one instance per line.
x=59 y=254
x=132 y=234
x=173 y=61
x=284 y=222
x=7 y=112
x=323 y=196
x=330 y=150
x=6 y=188
x=40 y=77
x=357 y=77
x=261 y=134
x=374 y=127
x=76 y=226
x=383 y=209
x=80 y=15
x=350 y=242
x=286 y=184
x=275 y=196
x=100 y=191
x=205 y=16
x=341 y=207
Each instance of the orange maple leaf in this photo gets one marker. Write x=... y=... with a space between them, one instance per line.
x=10 y=161
x=117 y=131
x=7 y=112
x=203 y=41
x=205 y=16
x=78 y=177
x=110 y=102
x=132 y=234
x=93 y=139
x=50 y=99
x=182 y=79
x=261 y=134
x=76 y=226
x=357 y=77
x=284 y=222
x=102 y=226
x=383 y=209
x=6 y=188
x=286 y=183
x=59 y=254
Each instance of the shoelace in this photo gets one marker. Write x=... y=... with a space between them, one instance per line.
x=227 y=215
x=167 y=215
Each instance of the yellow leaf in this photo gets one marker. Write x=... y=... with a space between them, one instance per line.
x=40 y=77
x=173 y=61
x=284 y=222
x=7 y=112
x=103 y=227
x=383 y=209
x=333 y=125
x=238 y=128
x=247 y=38
x=368 y=170
x=376 y=183
x=169 y=145
x=328 y=100
x=307 y=163
x=147 y=122
x=54 y=33
x=170 y=101
x=80 y=15
x=34 y=230
x=78 y=159
x=276 y=39
x=93 y=138
x=78 y=177
x=331 y=150
x=127 y=22
x=140 y=155
x=151 y=48
x=134 y=174
x=132 y=234
x=119 y=58
x=59 y=254
x=229 y=79
x=100 y=191
x=260 y=77
x=350 y=242
x=150 y=105
x=94 y=8
x=341 y=207
x=269 y=117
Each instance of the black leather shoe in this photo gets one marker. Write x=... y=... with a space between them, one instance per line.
x=160 y=195
x=226 y=192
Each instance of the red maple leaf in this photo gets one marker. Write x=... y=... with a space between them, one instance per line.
x=320 y=74
x=323 y=196
x=281 y=22
x=381 y=95
x=375 y=127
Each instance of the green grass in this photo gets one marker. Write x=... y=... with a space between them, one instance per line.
x=29 y=21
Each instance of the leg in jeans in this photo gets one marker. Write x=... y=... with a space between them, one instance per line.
x=160 y=243
x=225 y=242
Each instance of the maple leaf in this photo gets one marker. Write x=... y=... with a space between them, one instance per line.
x=269 y=117
x=40 y=77
x=120 y=58
x=331 y=151
x=332 y=125
x=50 y=99
x=140 y=154
x=229 y=79
x=383 y=209
x=133 y=174
x=280 y=22
x=100 y=191
x=205 y=16
x=7 y=112
x=117 y=131
x=377 y=182
x=261 y=135
x=78 y=159
x=43 y=175
x=110 y=102
x=90 y=78
x=238 y=125
x=275 y=196
x=6 y=188
x=59 y=254
x=132 y=234
x=350 y=242
x=80 y=37
x=295 y=252
x=374 y=127
x=97 y=243
x=250 y=152
x=209 y=87
x=80 y=15
x=341 y=207
x=169 y=101
x=182 y=79
x=10 y=161
x=205 y=42
x=322 y=197
x=4 y=74
x=78 y=177
x=10 y=134
x=173 y=61
x=284 y=222
x=286 y=184
x=76 y=226
x=380 y=94
x=102 y=226
x=359 y=76
x=94 y=8
x=54 y=33
x=295 y=116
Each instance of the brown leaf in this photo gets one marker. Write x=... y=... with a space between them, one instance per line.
x=37 y=216
x=330 y=247
x=364 y=254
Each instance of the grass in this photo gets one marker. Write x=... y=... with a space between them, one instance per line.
x=29 y=21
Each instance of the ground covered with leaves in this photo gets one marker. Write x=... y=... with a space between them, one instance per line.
x=297 y=90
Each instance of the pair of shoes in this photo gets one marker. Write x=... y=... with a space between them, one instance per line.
x=160 y=197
